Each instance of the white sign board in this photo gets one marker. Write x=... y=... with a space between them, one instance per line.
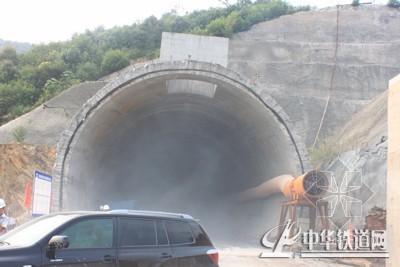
x=41 y=194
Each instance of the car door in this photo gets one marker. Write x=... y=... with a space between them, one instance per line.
x=181 y=239
x=91 y=243
x=143 y=243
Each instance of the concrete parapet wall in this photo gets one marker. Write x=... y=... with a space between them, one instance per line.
x=179 y=46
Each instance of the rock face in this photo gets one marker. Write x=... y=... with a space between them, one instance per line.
x=362 y=147
x=360 y=177
x=293 y=57
x=17 y=165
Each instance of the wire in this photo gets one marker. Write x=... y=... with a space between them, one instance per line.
x=333 y=75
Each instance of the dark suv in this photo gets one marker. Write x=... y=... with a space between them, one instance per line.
x=114 y=238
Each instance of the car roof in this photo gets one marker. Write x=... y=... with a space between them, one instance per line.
x=141 y=213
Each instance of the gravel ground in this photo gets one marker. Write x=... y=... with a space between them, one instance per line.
x=241 y=257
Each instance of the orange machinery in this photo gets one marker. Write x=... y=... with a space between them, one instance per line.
x=305 y=192
x=300 y=192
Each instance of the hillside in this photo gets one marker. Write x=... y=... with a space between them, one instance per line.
x=20 y=47
x=368 y=126
x=45 y=124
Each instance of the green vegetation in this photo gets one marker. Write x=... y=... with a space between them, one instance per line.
x=114 y=60
x=330 y=147
x=19 y=134
x=31 y=78
x=325 y=151
x=19 y=46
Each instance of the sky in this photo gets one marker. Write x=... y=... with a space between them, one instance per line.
x=44 y=21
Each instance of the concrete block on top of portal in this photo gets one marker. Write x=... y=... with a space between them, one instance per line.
x=180 y=46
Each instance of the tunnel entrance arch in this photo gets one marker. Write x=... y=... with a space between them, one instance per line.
x=179 y=136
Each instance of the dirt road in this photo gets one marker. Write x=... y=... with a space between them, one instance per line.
x=243 y=257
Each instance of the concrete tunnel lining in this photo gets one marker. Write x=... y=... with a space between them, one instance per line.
x=138 y=139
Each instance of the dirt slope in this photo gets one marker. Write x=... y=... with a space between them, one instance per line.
x=368 y=126
x=17 y=165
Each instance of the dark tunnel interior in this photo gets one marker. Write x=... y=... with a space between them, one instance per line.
x=186 y=146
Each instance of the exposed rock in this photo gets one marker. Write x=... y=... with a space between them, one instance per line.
x=17 y=165
x=376 y=219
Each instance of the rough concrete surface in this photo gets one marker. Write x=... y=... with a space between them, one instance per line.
x=293 y=58
x=45 y=124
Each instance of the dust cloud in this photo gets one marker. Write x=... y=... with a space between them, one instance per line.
x=188 y=158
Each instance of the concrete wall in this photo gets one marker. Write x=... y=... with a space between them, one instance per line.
x=393 y=175
x=179 y=46
x=292 y=57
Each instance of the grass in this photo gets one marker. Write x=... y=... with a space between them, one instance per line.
x=325 y=150
x=19 y=134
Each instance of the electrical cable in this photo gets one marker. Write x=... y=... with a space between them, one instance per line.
x=333 y=74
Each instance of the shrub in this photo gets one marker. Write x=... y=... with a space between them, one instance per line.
x=114 y=60
x=19 y=134
x=325 y=150
x=18 y=110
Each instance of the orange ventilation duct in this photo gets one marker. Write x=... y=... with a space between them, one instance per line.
x=309 y=185
x=312 y=184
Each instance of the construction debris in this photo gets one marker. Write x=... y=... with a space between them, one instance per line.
x=376 y=219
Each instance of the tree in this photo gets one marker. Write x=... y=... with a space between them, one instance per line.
x=55 y=86
x=16 y=95
x=7 y=71
x=244 y=3
x=220 y=27
x=239 y=22
x=46 y=71
x=179 y=24
x=8 y=62
x=355 y=3
x=113 y=61
x=9 y=53
x=87 y=71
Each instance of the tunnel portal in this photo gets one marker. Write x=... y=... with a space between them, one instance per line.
x=181 y=137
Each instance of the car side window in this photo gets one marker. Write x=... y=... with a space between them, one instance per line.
x=136 y=232
x=179 y=233
x=92 y=233
x=199 y=234
x=161 y=234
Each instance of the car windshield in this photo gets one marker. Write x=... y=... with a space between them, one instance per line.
x=32 y=231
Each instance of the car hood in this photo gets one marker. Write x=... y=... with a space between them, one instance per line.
x=5 y=247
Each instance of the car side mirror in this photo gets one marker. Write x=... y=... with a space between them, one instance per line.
x=58 y=242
